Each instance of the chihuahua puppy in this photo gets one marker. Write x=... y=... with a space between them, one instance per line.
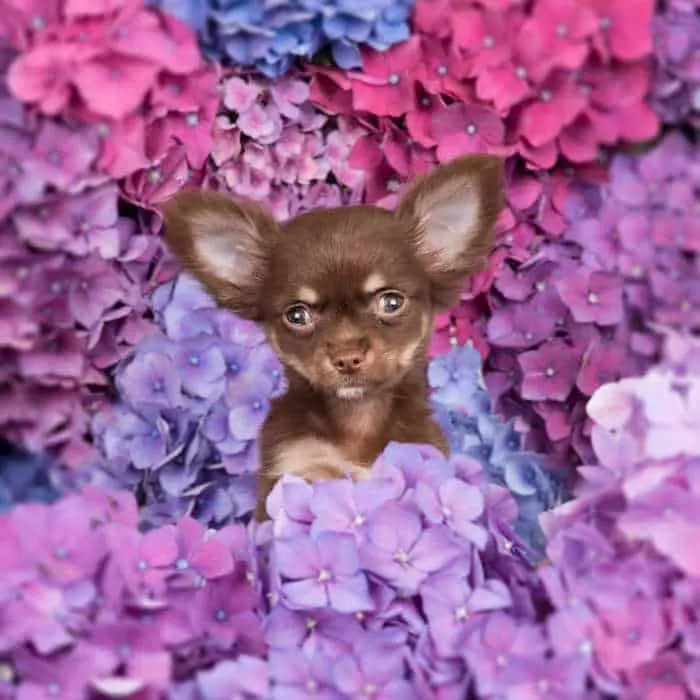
x=347 y=298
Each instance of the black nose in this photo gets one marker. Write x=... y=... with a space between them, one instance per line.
x=349 y=361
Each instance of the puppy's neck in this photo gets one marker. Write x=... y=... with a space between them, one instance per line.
x=352 y=416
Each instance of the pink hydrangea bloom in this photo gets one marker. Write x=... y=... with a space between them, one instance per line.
x=133 y=72
x=274 y=146
x=550 y=71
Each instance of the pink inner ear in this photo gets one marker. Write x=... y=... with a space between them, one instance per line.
x=449 y=225
x=224 y=256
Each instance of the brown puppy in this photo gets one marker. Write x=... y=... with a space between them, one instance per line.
x=347 y=298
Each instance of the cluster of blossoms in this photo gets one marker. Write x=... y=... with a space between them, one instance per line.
x=676 y=96
x=543 y=80
x=135 y=74
x=570 y=298
x=406 y=585
x=464 y=409
x=270 y=35
x=625 y=571
x=270 y=144
x=91 y=605
x=72 y=276
x=345 y=574
x=194 y=394
x=24 y=478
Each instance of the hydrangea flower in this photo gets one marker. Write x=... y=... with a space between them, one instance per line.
x=193 y=395
x=76 y=625
x=582 y=271
x=133 y=73
x=271 y=36
x=632 y=496
x=270 y=144
x=72 y=277
x=676 y=96
x=536 y=79
x=464 y=409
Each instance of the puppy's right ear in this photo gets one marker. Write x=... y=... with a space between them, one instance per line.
x=225 y=244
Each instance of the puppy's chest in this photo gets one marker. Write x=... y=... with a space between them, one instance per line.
x=319 y=445
x=359 y=435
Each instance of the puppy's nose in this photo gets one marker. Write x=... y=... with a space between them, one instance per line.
x=349 y=361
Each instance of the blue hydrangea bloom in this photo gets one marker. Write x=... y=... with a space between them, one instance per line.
x=464 y=409
x=269 y=34
x=25 y=477
x=193 y=12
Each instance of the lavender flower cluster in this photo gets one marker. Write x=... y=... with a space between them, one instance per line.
x=92 y=606
x=581 y=312
x=676 y=95
x=406 y=585
x=72 y=273
x=465 y=411
x=345 y=574
x=193 y=397
x=270 y=35
x=625 y=572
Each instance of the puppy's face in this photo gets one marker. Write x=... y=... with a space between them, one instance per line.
x=348 y=303
x=347 y=295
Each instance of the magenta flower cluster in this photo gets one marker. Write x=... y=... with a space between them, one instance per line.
x=544 y=80
x=580 y=312
x=92 y=94
x=134 y=73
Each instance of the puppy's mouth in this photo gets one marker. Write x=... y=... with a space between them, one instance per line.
x=351 y=389
x=350 y=393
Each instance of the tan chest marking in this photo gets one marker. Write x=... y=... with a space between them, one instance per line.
x=313 y=460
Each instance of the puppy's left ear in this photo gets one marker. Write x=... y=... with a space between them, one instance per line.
x=451 y=213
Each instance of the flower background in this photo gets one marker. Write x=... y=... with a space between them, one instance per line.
x=552 y=556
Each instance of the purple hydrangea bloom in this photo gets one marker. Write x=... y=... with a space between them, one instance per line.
x=72 y=277
x=272 y=144
x=676 y=95
x=194 y=396
x=322 y=572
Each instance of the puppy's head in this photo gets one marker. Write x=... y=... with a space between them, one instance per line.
x=346 y=295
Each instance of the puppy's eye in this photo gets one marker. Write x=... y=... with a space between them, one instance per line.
x=390 y=302
x=298 y=316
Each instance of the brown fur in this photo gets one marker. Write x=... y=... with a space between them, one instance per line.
x=332 y=259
